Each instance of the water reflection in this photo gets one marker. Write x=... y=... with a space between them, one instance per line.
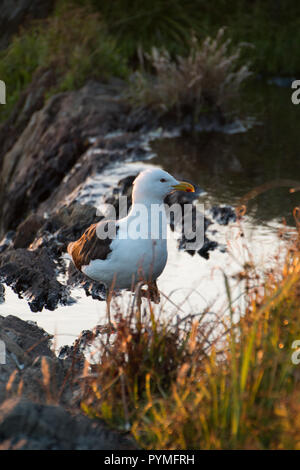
x=228 y=166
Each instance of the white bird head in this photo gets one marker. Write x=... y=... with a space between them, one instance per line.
x=155 y=184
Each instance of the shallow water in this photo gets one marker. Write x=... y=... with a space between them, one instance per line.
x=226 y=166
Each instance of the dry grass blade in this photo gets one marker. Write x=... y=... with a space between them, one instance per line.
x=208 y=78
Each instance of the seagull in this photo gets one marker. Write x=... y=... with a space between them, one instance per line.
x=131 y=251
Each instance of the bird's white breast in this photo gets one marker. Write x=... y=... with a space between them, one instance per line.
x=130 y=260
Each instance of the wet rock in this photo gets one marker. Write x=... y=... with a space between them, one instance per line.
x=32 y=274
x=7 y=241
x=223 y=215
x=31 y=100
x=27 y=335
x=63 y=226
x=50 y=145
x=32 y=368
x=189 y=212
x=105 y=151
x=80 y=345
x=92 y=288
x=208 y=245
x=202 y=245
x=125 y=185
x=24 y=341
x=37 y=389
x=27 y=230
x=74 y=220
x=2 y=293
x=28 y=425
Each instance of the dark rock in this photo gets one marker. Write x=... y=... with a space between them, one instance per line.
x=31 y=367
x=73 y=220
x=33 y=274
x=7 y=241
x=92 y=288
x=27 y=230
x=37 y=389
x=209 y=245
x=223 y=214
x=27 y=335
x=28 y=425
x=80 y=345
x=50 y=145
x=2 y=293
x=125 y=185
x=31 y=100
x=13 y=15
x=24 y=342
x=103 y=152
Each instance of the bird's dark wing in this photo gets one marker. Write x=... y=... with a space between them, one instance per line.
x=90 y=247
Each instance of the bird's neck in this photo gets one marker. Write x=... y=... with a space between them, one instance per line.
x=149 y=216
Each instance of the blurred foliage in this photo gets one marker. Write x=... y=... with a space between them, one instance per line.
x=73 y=41
x=85 y=39
x=272 y=27
x=149 y=23
x=207 y=79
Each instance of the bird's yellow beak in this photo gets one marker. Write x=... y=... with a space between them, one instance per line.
x=184 y=186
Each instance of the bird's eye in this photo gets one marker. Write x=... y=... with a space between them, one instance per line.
x=163 y=180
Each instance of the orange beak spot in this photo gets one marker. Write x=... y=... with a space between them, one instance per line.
x=184 y=186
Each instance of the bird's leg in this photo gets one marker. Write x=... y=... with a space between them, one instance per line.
x=109 y=296
x=108 y=310
x=108 y=302
x=152 y=293
x=138 y=299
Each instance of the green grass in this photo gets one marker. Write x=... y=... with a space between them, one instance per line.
x=73 y=41
x=145 y=24
x=100 y=38
x=272 y=28
x=175 y=388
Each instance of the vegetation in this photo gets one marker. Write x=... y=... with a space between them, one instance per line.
x=272 y=28
x=209 y=77
x=99 y=39
x=72 y=42
x=221 y=383
x=207 y=384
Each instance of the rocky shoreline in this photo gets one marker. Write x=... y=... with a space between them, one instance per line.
x=45 y=161
x=40 y=396
x=75 y=136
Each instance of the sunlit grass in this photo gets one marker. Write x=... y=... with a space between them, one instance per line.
x=223 y=384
